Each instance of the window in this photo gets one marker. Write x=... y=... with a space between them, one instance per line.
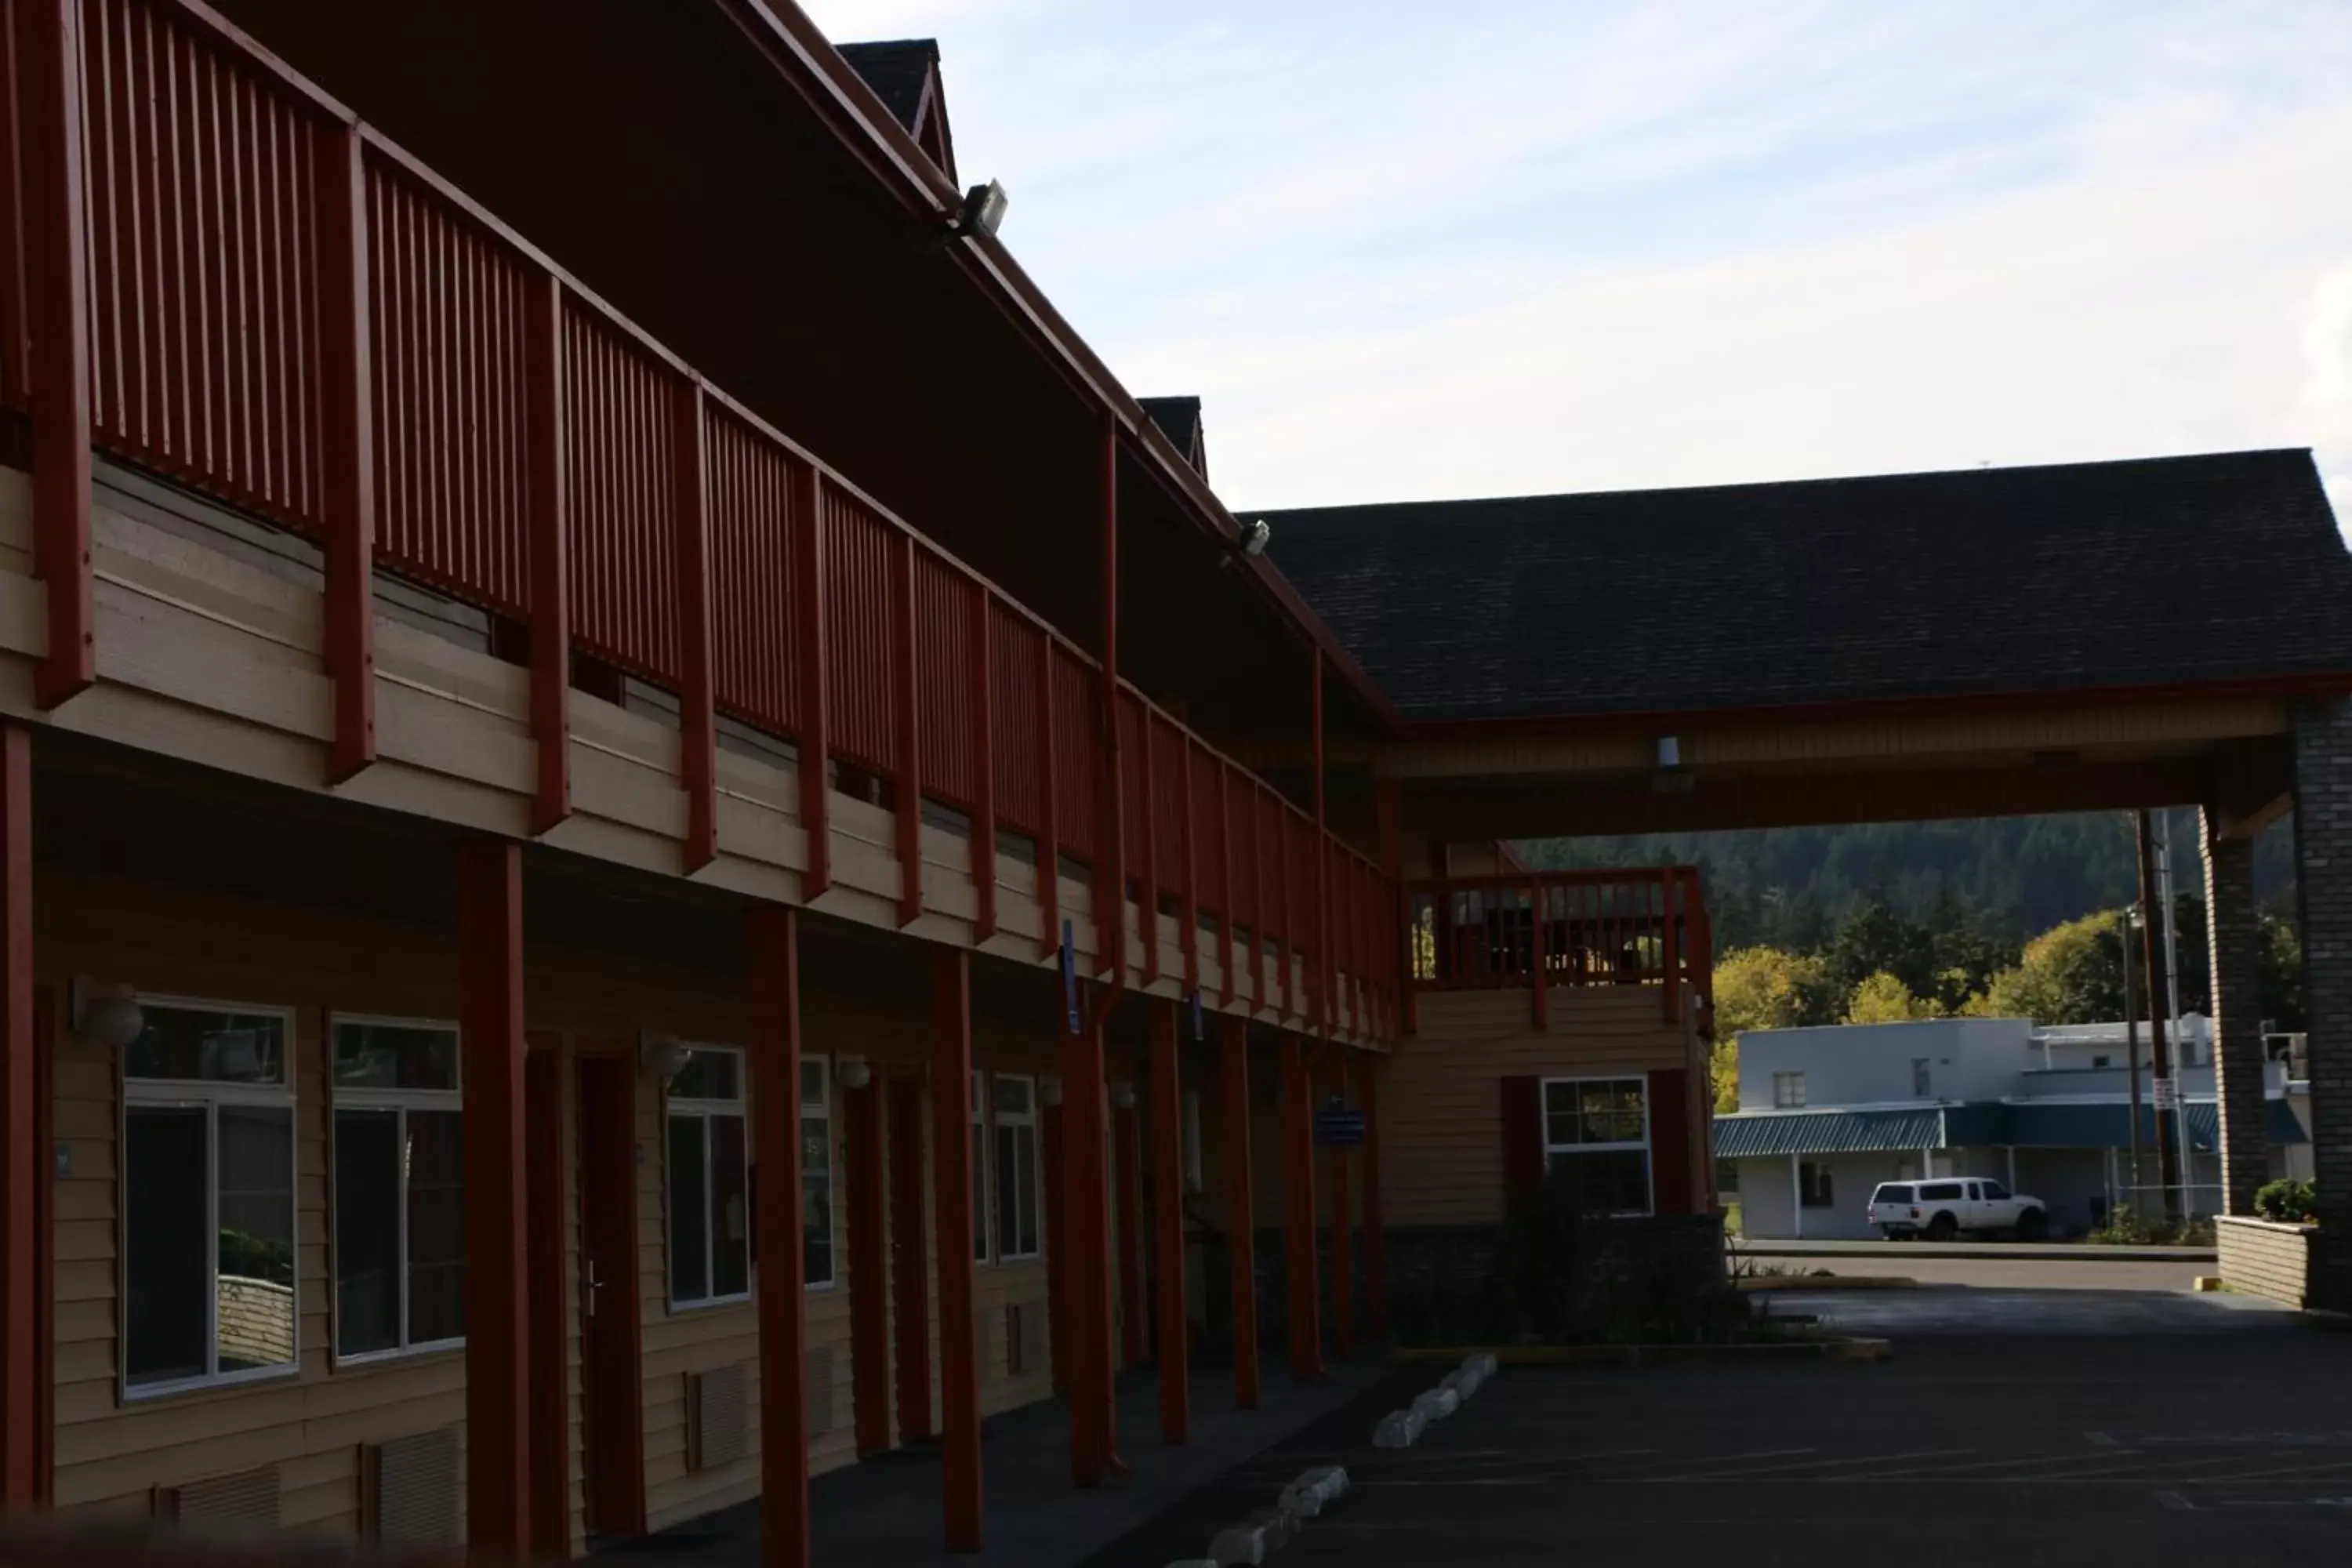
x=1787 y=1090
x=400 y=1197
x=979 y=1106
x=1192 y=1183
x=816 y=1171
x=1016 y=1104
x=1996 y=1193
x=2103 y=1061
x=1726 y=1177
x=207 y=1192
x=1597 y=1138
x=1940 y=1193
x=710 y=1229
x=1813 y=1187
x=1921 y=1077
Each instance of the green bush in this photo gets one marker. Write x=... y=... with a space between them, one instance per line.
x=2290 y=1202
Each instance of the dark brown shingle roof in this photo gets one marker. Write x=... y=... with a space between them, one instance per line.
x=2169 y=570
x=896 y=71
x=1178 y=419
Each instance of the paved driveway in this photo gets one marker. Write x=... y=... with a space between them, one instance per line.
x=2011 y=1428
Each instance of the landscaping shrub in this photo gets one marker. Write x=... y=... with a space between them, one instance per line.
x=2290 y=1202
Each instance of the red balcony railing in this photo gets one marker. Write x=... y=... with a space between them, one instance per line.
x=1537 y=930
x=287 y=313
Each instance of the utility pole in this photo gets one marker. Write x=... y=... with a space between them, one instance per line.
x=2131 y=1057
x=2172 y=1018
x=2160 y=1058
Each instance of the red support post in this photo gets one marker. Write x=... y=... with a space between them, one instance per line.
x=491 y=1035
x=1086 y=1271
x=1376 y=1244
x=869 y=1269
x=1299 y=1205
x=951 y=1228
x=547 y=1089
x=1670 y=958
x=908 y=786
x=548 y=528
x=1064 y=1312
x=25 y=1357
x=1147 y=834
x=1168 y=1224
x=1110 y=856
x=1128 y=1175
x=1261 y=998
x=1228 y=961
x=911 y=1286
x=984 y=764
x=816 y=685
x=1343 y=1240
x=1323 y=967
x=56 y=239
x=1241 y=1210
x=347 y=447
x=776 y=1162
x=1049 y=836
x=1538 y=966
x=697 y=710
x=1188 y=896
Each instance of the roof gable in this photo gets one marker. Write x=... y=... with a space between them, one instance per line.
x=1178 y=419
x=904 y=75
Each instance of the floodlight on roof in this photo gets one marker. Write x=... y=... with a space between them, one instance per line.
x=983 y=210
x=1255 y=535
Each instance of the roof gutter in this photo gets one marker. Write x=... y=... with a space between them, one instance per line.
x=809 y=64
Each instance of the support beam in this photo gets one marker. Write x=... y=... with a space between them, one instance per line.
x=776 y=1162
x=347 y=447
x=697 y=700
x=869 y=1269
x=951 y=1226
x=907 y=788
x=1127 y=1168
x=547 y=1089
x=1343 y=1237
x=2322 y=891
x=1168 y=1224
x=497 y=1367
x=25 y=1356
x=816 y=683
x=1298 y=1207
x=1388 y=797
x=1241 y=1210
x=2233 y=938
x=548 y=528
x=56 y=235
x=982 y=676
x=1376 y=1245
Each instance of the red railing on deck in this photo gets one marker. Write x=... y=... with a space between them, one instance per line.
x=501 y=436
x=1645 y=926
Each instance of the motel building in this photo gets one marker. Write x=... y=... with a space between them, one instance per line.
x=653 y=840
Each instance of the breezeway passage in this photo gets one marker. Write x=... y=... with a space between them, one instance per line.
x=2022 y=1428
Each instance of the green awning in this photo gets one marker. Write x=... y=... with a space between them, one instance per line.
x=1982 y=1125
x=1740 y=1137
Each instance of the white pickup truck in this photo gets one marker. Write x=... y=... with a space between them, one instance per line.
x=1942 y=1210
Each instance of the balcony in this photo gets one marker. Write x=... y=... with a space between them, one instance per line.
x=213 y=273
x=1538 y=931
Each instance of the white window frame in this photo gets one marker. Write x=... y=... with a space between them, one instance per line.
x=983 y=1219
x=1788 y=1091
x=706 y=1110
x=206 y=1095
x=1649 y=1169
x=401 y=1100
x=1032 y=1120
x=820 y=1109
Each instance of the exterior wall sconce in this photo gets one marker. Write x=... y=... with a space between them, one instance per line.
x=1049 y=1089
x=664 y=1056
x=1256 y=534
x=983 y=211
x=852 y=1072
x=106 y=1013
x=1123 y=1097
x=1671 y=777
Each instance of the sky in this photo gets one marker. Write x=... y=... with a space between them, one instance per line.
x=1408 y=250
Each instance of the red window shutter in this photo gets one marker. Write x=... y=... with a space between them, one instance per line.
x=1523 y=1143
x=1670 y=1142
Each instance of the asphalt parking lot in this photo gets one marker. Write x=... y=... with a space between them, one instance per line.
x=2011 y=1427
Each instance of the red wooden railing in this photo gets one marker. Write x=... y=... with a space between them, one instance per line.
x=1537 y=930
x=286 y=312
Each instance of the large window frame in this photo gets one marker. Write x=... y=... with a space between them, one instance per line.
x=400 y=1102
x=1788 y=1091
x=1579 y=1148
x=710 y=1112
x=1009 y=1233
x=211 y=1096
x=818 y=1191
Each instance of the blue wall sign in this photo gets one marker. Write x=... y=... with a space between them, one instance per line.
x=1340 y=1129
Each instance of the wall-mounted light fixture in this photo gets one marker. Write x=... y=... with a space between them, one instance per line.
x=852 y=1072
x=106 y=1013
x=1123 y=1097
x=664 y=1056
x=1256 y=534
x=983 y=211
x=1049 y=1089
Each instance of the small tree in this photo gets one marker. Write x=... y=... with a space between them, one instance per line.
x=1882 y=999
x=2072 y=973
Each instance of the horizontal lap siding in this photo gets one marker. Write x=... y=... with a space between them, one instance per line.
x=621 y=429
x=202 y=263
x=1441 y=1098
x=754 y=589
x=448 y=315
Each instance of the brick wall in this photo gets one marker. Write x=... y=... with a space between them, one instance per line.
x=2266 y=1260
x=2235 y=939
x=2323 y=853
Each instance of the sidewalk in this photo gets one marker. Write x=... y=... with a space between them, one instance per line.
x=1895 y=1252
x=886 y=1512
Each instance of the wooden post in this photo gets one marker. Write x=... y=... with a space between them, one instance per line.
x=547 y=1089
x=1147 y=839
x=1063 y=1313
x=911 y=1275
x=1299 y=1205
x=870 y=1270
x=952 y=1178
x=1085 y=1174
x=1127 y=1169
x=25 y=1357
x=548 y=527
x=1168 y=1223
x=983 y=676
x=1537 y=964
x=1049 y=836
x=498 y=1367
x=1376 y=1246
x=908 y=786
x=816 y=685
x=697 y=700
x=1343 y=1240
x=1188 y=894
x=347 y=447
x=1322 y=968
x=776 y=1163
x=57 y=242
x=1241 y=1210
x=1228 y=961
